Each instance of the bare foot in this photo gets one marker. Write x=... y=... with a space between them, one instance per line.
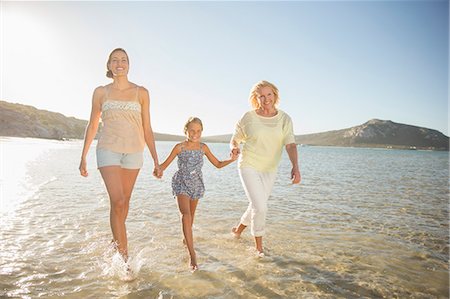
x=235 y=232
x=193 y=264
x=129 y=274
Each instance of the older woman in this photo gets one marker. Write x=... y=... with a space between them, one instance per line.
x=264 y=131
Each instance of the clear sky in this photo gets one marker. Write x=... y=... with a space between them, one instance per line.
x=337 y=63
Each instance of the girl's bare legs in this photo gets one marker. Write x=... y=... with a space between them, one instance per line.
x=119 y=183
x=193 y=206
x=187 y=209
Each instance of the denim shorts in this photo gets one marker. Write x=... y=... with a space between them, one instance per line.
x=124 y=160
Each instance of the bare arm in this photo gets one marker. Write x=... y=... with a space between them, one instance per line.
x=214 y=161
x=144 y=98
x=291 y=150
x=91 y=128
x=175 y=151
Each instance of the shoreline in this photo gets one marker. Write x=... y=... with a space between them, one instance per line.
x=174 y=138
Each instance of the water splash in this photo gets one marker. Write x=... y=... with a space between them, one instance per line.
x=113 y=264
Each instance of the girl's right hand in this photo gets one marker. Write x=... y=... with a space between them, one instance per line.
x=235 y=153
x=82 y=168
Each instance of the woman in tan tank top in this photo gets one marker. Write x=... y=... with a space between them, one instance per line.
x=124 y=109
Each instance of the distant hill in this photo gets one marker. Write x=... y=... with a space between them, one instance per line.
x=374 y=133
x=217 y=138
x=168 y=137
x=26 y=121
x=380 y=133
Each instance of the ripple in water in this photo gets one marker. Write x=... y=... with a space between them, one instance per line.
x=364 y=223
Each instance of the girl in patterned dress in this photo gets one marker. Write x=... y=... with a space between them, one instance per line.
x=187 y=182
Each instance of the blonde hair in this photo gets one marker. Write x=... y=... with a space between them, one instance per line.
x=109 y=73
x=253 y=98
x=192 y=119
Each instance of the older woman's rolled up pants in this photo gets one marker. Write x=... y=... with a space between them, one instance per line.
x=257 y=186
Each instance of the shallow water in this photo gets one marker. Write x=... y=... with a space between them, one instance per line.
x=363 y=223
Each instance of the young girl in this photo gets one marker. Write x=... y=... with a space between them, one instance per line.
x=187 y=182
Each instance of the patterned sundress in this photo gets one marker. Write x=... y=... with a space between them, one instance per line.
x=188 y=179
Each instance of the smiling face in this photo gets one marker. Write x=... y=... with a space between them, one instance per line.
x=118 y=63
x=266 y=97
x=194 y=132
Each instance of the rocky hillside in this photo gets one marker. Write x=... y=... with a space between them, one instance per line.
x=26 y=121
x=380 y=133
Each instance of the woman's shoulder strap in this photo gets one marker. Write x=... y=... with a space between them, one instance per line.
x=103 y=92
x=107 y=90
x=137 y=93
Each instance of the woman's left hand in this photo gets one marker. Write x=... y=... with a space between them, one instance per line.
x=157 y=172
x=295 y=175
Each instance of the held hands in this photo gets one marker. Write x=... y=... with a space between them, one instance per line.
x=235 y=153
x=157 y=172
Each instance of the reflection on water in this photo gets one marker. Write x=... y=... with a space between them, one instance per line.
x=364 y=223
x=17 y=156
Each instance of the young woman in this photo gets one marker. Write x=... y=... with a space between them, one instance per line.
x=124 y=109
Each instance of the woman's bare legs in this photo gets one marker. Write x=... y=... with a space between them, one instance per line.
x=119 y=184
x=258 y=244
x=129 y=177
x=187 y=208
x=237 y=231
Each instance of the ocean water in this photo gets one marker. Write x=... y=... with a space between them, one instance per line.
x=364 y=223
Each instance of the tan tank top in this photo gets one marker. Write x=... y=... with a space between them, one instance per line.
x=122 y=129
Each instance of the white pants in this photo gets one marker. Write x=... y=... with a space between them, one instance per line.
x=257 y=186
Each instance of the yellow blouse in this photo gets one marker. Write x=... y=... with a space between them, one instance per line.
x=263 y=139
